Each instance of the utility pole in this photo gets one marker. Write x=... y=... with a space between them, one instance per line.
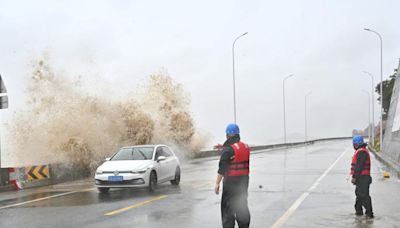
x=305 y=116
x=369 y=114
x=233 y=71
x=284 y=108
x=381 y=87
x=372 y=109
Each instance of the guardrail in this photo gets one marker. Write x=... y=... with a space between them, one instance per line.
x=210 y=153
x=40 y=175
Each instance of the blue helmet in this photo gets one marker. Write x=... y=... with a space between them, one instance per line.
x=358 y=140
x=232 y=129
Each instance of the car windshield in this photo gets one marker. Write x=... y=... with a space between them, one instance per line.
x=135 y=153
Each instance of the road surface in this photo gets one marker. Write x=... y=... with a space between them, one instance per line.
x=298 y=187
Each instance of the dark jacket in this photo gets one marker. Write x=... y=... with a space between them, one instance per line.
x=228 y=154
x=361 y=160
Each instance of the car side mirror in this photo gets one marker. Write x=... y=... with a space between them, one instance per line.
x=107 y=159
x=161 y=158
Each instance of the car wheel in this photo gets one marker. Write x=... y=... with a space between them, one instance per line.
x=152 y=181
x=103 y=190
x=177 y=176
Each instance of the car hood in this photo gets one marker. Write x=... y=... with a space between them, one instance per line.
x=125 y=165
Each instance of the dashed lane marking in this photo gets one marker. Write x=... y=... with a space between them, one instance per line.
x=297 y=203
x=136 y=205
x=45 y=198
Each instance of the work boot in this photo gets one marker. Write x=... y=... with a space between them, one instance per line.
x=359 y=212
x=371 y=216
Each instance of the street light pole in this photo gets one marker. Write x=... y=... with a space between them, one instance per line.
x=372 y=109
x=305 y=116
x=369 y=114
x=284 y=108
x=234 y=83
x=381 y=88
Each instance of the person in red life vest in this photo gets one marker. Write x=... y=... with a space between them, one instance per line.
x=361 y=176
x=234 y=171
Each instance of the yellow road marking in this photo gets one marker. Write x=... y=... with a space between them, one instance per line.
x=136 y=205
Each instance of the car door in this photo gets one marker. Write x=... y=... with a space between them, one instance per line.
x=162 y=166
x=171 y=163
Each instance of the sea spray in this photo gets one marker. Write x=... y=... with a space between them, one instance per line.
x=62 y=124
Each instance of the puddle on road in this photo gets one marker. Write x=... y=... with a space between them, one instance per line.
x=344 y=220
x=30 y=197
x=89 y=197
x=124 y=194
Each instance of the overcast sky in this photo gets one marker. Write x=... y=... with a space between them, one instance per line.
x=120 y=43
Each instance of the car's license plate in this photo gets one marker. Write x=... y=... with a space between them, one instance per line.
x=115 y=178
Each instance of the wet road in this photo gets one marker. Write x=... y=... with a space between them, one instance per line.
x=299 y=187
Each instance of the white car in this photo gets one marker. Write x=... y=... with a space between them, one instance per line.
x=138 y=166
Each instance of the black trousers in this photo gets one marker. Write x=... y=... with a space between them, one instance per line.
x=363 y=199
x=234 y=202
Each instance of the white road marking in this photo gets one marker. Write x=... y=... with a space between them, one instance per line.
x=297 y=203
x=45 y=198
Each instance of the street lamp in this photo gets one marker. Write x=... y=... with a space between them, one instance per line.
x=381 y=130
x=305 y=115
x=372 y=110
x=284 y=108
x=369 y=114
x=234 y=85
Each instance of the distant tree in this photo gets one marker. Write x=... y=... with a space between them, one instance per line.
x=387 y=92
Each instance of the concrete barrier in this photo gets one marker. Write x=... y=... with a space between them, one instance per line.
x=35 y=176
x=17 y=178
x=62 y=173
x=210 y=153
x=25 y=177
x=391 y=165
x=388 y=161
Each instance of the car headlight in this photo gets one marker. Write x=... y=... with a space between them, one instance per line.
x=141 y=171
x=99 y=172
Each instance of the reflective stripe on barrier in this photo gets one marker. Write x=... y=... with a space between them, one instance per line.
x=29 y=176
x=15 y=177
x=38 y=172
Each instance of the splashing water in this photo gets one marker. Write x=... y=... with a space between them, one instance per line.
x=60 y=123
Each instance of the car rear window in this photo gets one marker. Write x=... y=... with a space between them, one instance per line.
x=135 y=153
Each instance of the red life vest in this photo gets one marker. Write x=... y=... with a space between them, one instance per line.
x=239 y=166
x=367 y=166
